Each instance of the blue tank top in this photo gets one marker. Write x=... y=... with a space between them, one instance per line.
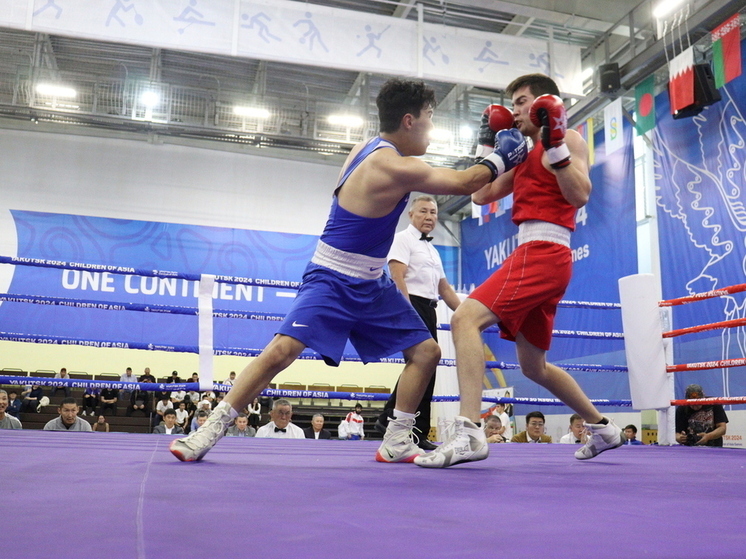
x=370 y=236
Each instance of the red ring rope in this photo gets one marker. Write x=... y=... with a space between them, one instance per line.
x=709 y=401
x=706 y=365
x=706 y=295
x=705 y=327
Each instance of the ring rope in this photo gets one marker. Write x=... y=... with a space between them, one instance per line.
x=705 y=295
x=705 y=327
x=704 y=365
x=270 y=392
x=708 y=401
x=223 y=313
x=124 y=270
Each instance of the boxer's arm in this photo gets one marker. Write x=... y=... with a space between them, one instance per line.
x=497 y=189
x=448 y=295
x=398 y=271
x=573 y=179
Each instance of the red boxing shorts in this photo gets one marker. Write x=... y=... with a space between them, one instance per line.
x=525 y=291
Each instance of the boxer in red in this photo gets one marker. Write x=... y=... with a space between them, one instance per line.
x=521 y=297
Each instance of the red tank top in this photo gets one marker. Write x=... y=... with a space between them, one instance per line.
x=536 y=194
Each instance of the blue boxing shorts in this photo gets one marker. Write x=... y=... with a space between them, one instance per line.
x=373 y=314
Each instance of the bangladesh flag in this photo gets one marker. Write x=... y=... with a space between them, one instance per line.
x=726 y=51
x=645 y=105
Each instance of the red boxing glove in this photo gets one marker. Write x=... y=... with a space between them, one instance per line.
x=494 y=119
x=549 y=114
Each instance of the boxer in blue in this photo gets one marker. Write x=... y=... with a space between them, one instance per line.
x=345 y=293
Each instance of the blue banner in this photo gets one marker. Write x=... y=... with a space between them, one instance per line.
x=701 y=197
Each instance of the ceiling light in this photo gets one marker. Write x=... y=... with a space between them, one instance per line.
x=665 y=8
x=56 y=90
x=465 y=132
x=350 y=121
x=150 y=99
x=253 y=112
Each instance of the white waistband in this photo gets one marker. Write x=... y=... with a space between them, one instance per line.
x=348 y=263
x=537 y=230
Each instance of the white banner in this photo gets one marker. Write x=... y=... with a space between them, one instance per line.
x=284 y=31
x=613 y=135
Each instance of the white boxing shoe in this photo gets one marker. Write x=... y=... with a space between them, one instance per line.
x=466 y=443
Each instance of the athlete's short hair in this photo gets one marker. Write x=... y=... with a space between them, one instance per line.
x=538 y=84
x=400 y=97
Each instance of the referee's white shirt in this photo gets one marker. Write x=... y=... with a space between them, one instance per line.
x=292 y=431
x=424 y=266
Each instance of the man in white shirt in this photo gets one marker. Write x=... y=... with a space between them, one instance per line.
x=169 y=426
x=417 y=270
x=355 y=423
x=231 y=379
x=578 y=433
x=128 y=376
x=507 y=428
x=280 y=427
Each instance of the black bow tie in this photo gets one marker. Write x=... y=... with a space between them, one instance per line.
x=278 y=429
x=424 y=237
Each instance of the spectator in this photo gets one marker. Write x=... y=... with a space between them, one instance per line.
x=199 y=418
x=33 y=399
x=578 y=433
x=100 y=425
x=342 y=430
x=7 y=421
x=280 y=427
x=355 y=424
x=316 y=430
x=194 y=399
x=417 y=270
x=492 y=428
x=140 y=400
x=534 y=432
x=700 y=424
x=66 y=388
x=128 y=376
x=90 y=400
x=146 y=376
x=255 y=413
x=68 y=419
x=109 y=398
x=231 y=379
x=168 y=427
x=160 y=408
x=14 y=404
x=177 y=396
x=195 y=377
x=241 y=428
x=182 y=416
x=507 y=427
x=175 y=377
x=630 y=431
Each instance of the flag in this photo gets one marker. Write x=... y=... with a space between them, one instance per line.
x=681 y=80
x=726 y=51
x=483 y=213
x=613 y=136
x=585 y=129
x=645 y=105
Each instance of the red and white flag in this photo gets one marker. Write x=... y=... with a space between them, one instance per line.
x=681 y=81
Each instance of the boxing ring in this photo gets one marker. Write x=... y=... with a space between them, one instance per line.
x=125 y=495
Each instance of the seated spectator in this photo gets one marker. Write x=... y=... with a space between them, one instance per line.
x=101 y=425
x=231 y=379
x=204 y=405
x=698 y=424
x=280 y=427
x=199 y=418
x=507 y=428
x=174 y=377
x=255 y=413
x=91 y=400
x=160 y=408
x=182 y=417
x=168 y=427
x=128 y=376
x=630 y=431
x=108 y=399
x=66 y=388
x=195 y=377
x=218 y=398
x=355 y=423
x=14 y=404
x=146 y=376
x=241 y=427
x=68 y=419
x=32 y=400
x=140 y=400
x=177 y=396
x=194 y=399
x=7 y=421
x=534 y=432
x=316 y=430
x=492 y=428
x=578 y=433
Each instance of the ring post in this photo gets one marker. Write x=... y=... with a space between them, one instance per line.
x=206 y=375
x=649 y=383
